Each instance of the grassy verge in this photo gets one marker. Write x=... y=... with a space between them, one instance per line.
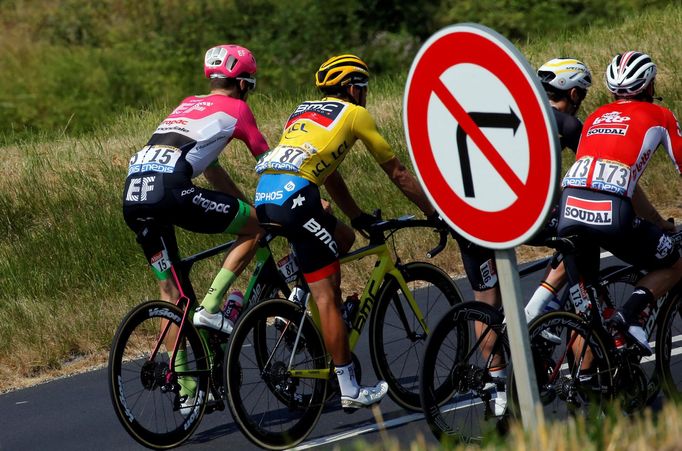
x=645 y=432
x=70 y=268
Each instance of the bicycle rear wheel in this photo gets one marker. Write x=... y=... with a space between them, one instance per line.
x=397 y=339
x=145 y=391
x=272 y=407
x=572 y=367
x=457 y=391
x=668 y=345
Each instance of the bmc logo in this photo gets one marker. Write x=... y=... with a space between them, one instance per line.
x=322 y=234
x=139 y=188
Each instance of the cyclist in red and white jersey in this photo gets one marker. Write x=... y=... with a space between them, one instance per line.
x=617 y=143
x=159 y=193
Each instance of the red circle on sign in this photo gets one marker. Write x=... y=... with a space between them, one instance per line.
x=494 y=228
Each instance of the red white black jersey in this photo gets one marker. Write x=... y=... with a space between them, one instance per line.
x=617 y=142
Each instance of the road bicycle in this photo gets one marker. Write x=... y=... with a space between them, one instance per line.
x=458 y=392
x=278 y=371
x=157 y=354
x=592 y=364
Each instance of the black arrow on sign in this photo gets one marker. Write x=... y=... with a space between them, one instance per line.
x=491 y=120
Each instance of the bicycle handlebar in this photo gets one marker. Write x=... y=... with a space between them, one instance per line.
x=404 y=222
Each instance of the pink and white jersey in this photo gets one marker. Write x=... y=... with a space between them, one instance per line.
x=617 y=143
x=195 y=133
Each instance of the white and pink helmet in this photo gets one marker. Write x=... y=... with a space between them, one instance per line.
x=230 y=61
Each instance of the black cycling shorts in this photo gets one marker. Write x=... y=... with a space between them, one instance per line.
x=479 y=264
x=607 y=220
x=293 y=204
x=151 y=209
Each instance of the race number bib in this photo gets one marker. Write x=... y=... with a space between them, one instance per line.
x=611 y=176
x=606 y=175
x=160 y=262
x=577 y=175
x=284 y=158
x=155 y=159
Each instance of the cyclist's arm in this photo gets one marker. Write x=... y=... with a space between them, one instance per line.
x=220 y=180
x=364 y=128
x=408 y=184
x=644 y=209
x=338 y=190
x=673 y=140
x=247 y=131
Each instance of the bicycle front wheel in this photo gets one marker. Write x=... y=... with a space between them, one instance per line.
x=460 y=398
x=159 y=406
x=397 y=338
x=668 y=345
x=276 y=374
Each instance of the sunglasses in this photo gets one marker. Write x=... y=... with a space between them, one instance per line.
x=250 y=82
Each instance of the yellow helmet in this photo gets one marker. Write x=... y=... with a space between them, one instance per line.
x=341 y=70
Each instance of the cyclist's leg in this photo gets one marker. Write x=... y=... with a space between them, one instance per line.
x=544 y=298
x=311 y=232
x=481 y=270
x=646 y=246
x=160 y=247
x=205 y=211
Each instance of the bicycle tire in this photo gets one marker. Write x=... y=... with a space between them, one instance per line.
x=454 y=377
x=396 y=352
x=670 y=331
x=146 y=402
x=287 y=408
x=563 y=390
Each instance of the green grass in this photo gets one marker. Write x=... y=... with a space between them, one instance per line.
x=70 y=268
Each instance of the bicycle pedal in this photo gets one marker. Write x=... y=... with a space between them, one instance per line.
x=349 y=410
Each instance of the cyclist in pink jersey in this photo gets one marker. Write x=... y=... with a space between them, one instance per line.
x=159 y=193
x=617 y=143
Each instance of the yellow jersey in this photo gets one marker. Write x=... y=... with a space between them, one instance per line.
x=318 y=136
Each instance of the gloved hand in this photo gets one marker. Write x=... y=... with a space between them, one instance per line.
x=363 y=221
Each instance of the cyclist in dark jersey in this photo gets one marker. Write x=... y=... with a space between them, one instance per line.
x=159 y=193
x=597 y=201
x=566 y=81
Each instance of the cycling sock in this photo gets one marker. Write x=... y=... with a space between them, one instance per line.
x=544 y=299
x=219 y=287
x=638 y=301
x=347 y=382
x=187 y=385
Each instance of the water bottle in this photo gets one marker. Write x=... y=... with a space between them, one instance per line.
x=349 y=308
x=233 y=305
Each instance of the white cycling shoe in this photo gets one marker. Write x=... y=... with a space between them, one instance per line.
x=188 y=402
x=365 y=397
x=500 y=400
x=217 y=321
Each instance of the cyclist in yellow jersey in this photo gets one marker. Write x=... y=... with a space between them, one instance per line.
x=317 y=137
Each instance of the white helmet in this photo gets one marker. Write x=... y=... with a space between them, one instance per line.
x=630 y=73
x=565 y=73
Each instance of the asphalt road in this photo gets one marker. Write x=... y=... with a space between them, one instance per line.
x=75 y=413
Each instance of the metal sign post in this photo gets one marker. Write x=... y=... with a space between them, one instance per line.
x=517 y=331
